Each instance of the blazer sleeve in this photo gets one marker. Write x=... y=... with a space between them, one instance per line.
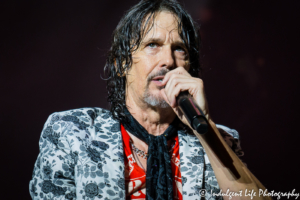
x=53 y=174
x=232 y=138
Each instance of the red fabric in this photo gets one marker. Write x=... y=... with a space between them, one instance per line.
x=135 y=177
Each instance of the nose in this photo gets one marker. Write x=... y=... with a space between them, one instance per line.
x=167 y=58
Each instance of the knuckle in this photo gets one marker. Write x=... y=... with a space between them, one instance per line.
x=179 y=86
x=173 y=78
x=181 y=68
x=200 y=81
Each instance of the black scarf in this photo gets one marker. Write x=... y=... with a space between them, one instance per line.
x=159 y=180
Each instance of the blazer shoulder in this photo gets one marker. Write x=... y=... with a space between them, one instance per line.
x=77 y=122
x=92 y=112
x=228 y=130
x=87 y=115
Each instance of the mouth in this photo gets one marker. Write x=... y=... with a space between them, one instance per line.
x=158 y=78
x=158 y=81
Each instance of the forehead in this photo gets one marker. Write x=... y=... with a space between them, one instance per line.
x=162 y=23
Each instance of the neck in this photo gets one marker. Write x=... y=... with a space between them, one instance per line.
x=154 y=119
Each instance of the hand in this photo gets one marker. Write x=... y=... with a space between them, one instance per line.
x=179 y=80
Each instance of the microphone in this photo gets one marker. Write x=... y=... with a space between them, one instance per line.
x=192 y=112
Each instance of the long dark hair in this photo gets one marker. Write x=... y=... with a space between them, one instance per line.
x=127 y=38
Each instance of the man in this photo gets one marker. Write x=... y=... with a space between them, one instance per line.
x=144 y=148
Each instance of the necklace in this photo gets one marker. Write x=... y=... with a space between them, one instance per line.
x=139 y=152
x=139 y=161
x=145 y=155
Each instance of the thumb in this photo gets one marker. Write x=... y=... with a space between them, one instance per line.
x=163 y=93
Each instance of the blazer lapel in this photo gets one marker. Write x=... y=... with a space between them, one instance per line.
x=113 y=159
x=191 y=165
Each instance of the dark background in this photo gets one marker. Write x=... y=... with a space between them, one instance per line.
x=53 y=52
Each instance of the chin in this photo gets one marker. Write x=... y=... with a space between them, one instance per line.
x=155 y=100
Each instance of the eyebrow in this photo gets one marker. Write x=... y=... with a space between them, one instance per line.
x=153 y=40
x=158 y=40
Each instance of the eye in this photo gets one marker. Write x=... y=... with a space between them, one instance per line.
x=152 y=45
x=180 y=49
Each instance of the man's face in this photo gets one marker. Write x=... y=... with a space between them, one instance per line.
x=161 y=50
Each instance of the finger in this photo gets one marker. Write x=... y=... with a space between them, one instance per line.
x=180 y=87
x=175 y=79
x=163 y=93
x=178 y=70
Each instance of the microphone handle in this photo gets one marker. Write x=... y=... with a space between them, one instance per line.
x=192 y=112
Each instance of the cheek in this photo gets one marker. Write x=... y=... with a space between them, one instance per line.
x=146 y=67
x=137 y=77
x=183 y=63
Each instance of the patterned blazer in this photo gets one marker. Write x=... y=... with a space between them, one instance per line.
x=81 y=157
